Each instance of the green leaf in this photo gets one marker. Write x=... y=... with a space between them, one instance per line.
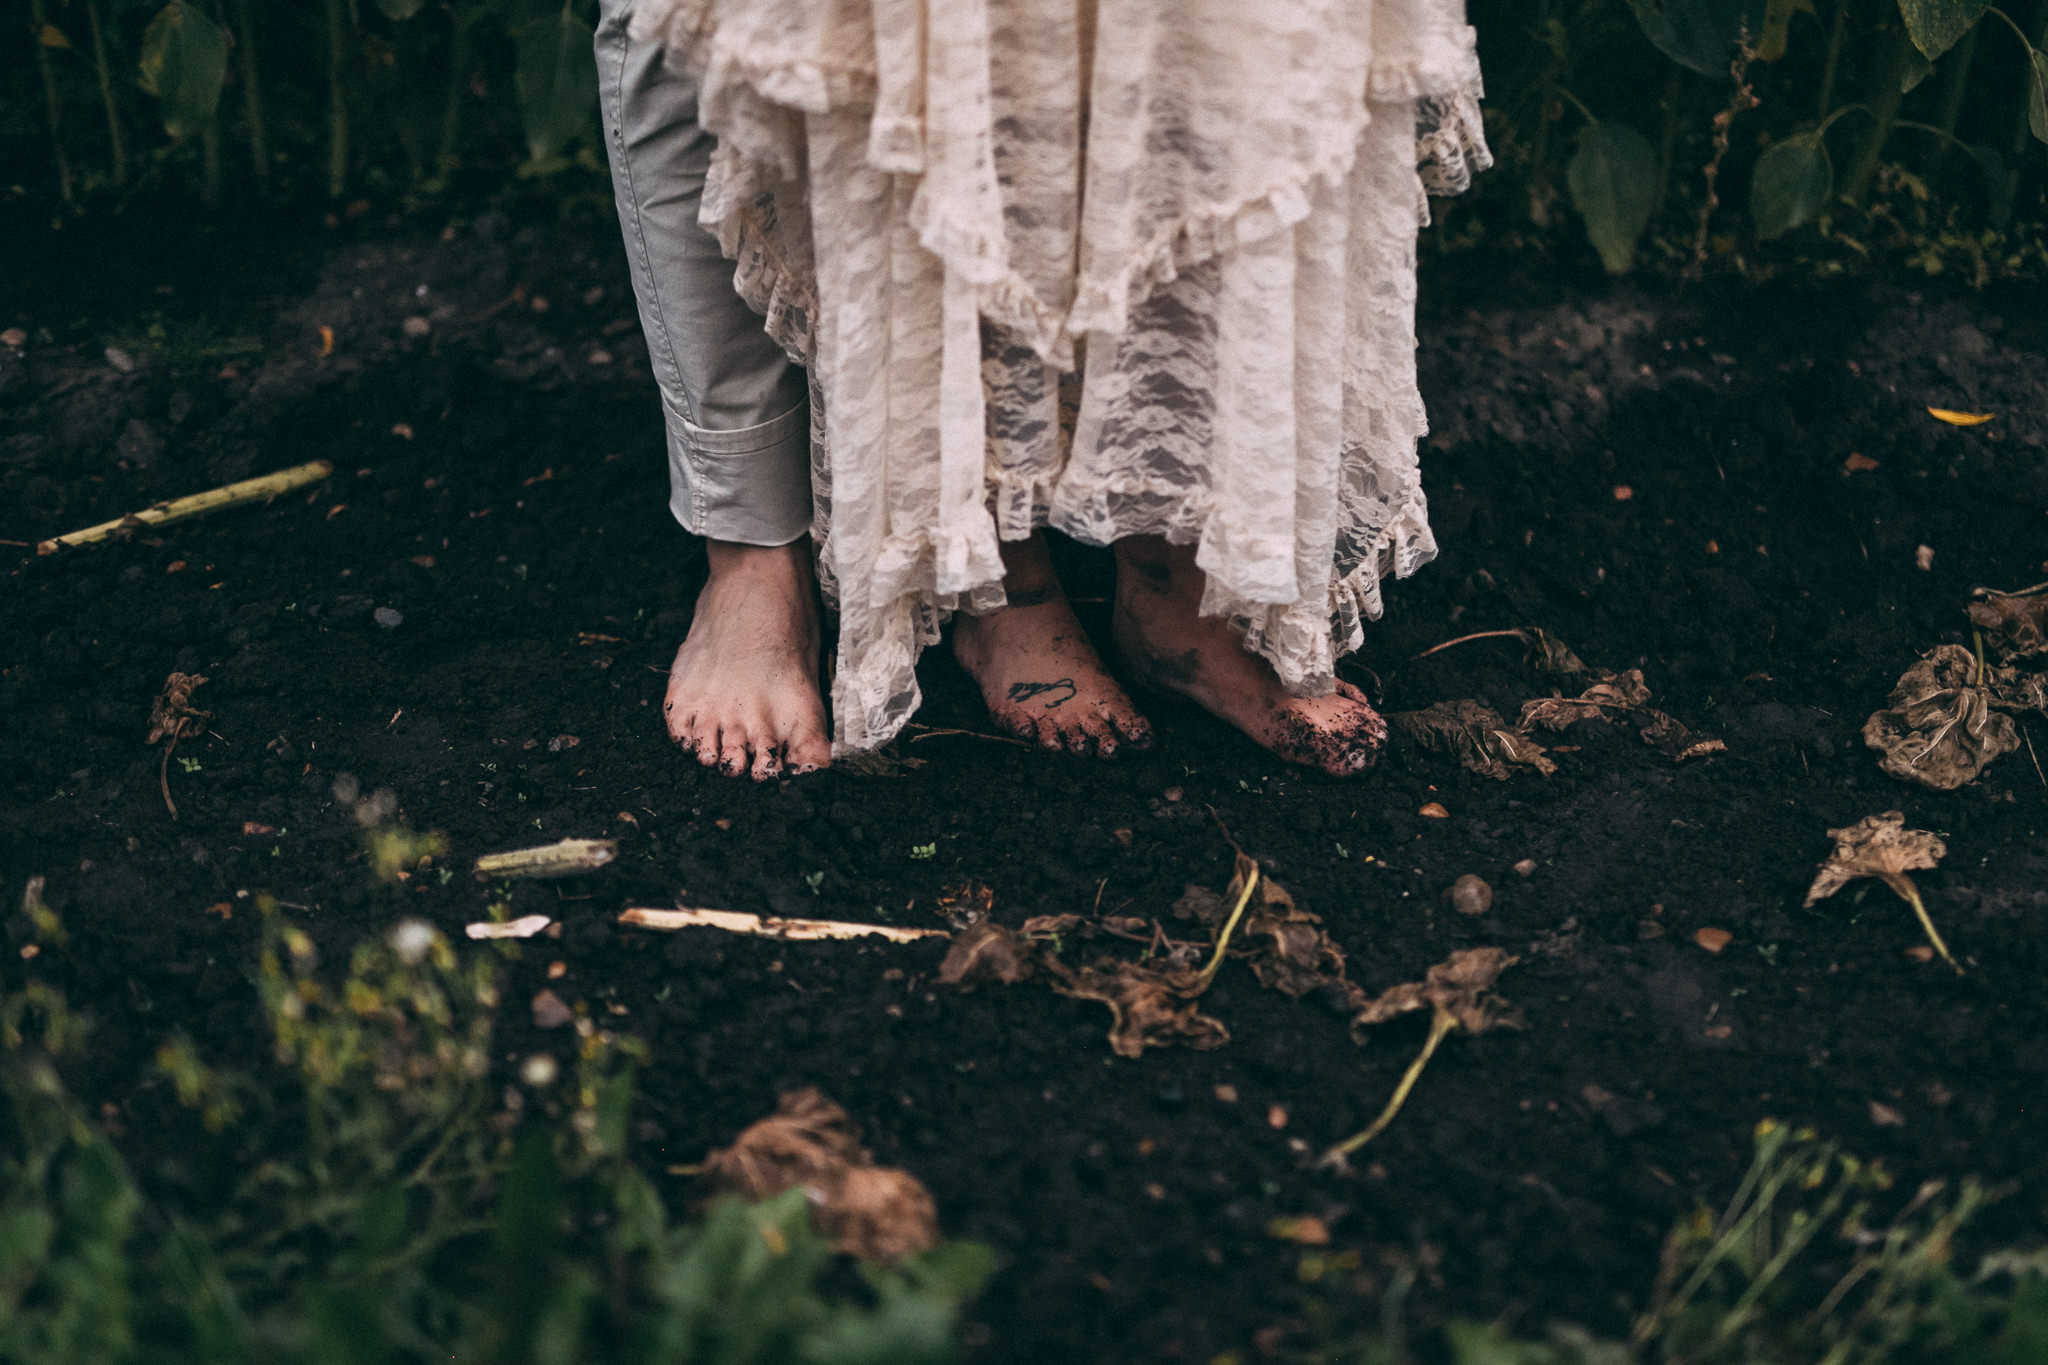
x=1937 y=25
x=1918 y=69
x=1770 y=44
x=1613 y=179
x=398 y=11
x=1791 y=186
x=184 y=64
x=557 y=82
x=1699 y=34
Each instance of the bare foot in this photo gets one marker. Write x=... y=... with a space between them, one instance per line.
x=1169 y=644
x=743 y=692
x=1041 y=678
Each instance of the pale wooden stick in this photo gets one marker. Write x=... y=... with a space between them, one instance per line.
x=177 y=509
x=564 y=858
x=739 y=922
x=526 y=926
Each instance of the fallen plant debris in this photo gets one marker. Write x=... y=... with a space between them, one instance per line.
x=1961 y=419
x=2015 y=624
x=258 y=489
x=1621 y=694
x=1286 y=946
x=1458 y=992
x=563 y=858
x=172 y=717
x=1544 y=651
x=878 y=1213
x=769 y=926
x=526 y=926
x=1476 y=736
x=1881 y=846
x=1940 y=728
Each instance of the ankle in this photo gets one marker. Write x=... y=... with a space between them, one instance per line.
x=728 y=561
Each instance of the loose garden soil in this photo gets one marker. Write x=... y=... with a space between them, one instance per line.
x=1656 y=476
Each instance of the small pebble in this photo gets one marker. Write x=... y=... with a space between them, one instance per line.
x=1526 y=868
x=391 y=618
x=14 y=336
x=550 y=1012
x=1435 y=811
x=1924 y=556
x=1471 y=895
x=1713 y=940
x=416 y=327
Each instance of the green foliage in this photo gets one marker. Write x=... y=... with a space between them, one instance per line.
x=392 y=1208
x=185 y=64
x=1792 y=184
x=557 y=80
x=1794 y=1271
x=1613 y=178
x=1699 y=35
x=1937 y=25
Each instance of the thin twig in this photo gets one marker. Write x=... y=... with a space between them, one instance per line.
x=1462 y=639
x=1440 y=1026
x=2031 y=754
x=931 y=733
x=1244 y=898
x=233 y=495
x=739 y=922
x=1910 y=894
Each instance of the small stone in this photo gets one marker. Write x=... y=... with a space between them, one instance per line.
x=14 y=336
x=1713 y=940
x=539 y=1071
x=416 y=326
x=121 y=360
x=1526 y=868
x=550 y=1012
x=391 y=618
x=1884 y=1116
x=1923 y=555
x=1434 y=811
x=1225 y=1094
x=561 y=742
x=1471 y=895
x=1173 y=794
x=600 y=357
x=1276 y=1117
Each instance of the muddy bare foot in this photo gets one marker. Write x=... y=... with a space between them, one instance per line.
x=1168 y=644
x=1041 y=678
x=743 y=692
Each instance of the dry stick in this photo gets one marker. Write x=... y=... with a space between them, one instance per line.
x=2029 y=738
x=739 y=922
x=1482 y=635
x=258 y=489
x=930 y=733
x=563 y=858
x=1743 y=100
x=1910 y=894
x=1440 y=1026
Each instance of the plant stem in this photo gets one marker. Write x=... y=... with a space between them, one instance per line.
x=1836 y=35
x=252 y=91
x=1741 y=101
x=451 y=115
x=1440 y=1026
x=337 y=102
x=1910 y=894
x=232 y=495
x=50 y=97
x=1244 y=898
x=2022 y=129
x=1957 y=83
x=1886 y=110
x=1667 y=139
x=116 y=143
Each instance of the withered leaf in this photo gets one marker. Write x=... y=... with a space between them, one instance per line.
x=883 y=762
x=1876 y=846
x=172 y=715
x=1940 y=729
x=1670 y=738
x=875 y=1212
x=1460 y=987
x=1052 y=926
x=966 y=903
x=1547 y=653
x=1476 y=736
x=1150 y=1005
x=1611 y=694
x=986 y=951
x=2015 y=624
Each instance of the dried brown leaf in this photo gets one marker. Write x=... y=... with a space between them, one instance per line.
x=1672 y=739
x=1547 y=653
x=1476 y=736
x=875 y=1212
x=1940 y=729
x=884 y=762
x=1612 y=693
x=1876 y=846
x=1460 y=987
x=966 y=903
x=987 y=951
x=172 y=715
x=2015 y=624
x=1052 y=926
x=1150 y=1005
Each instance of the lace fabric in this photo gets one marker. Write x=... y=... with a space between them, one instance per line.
x=1120 y=267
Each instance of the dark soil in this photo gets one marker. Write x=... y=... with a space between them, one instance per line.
x=1770 y=596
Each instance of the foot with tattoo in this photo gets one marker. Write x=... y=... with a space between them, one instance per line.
x=1167 y=643
x=743 y=692
x=1041 y=678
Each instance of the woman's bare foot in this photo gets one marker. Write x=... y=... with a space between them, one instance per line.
x=1168 y=643
x=743 y=692
x=1041 y=678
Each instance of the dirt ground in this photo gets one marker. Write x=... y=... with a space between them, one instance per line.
x=1655 y=476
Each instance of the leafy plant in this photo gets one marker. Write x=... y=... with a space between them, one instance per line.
x=399 y=1206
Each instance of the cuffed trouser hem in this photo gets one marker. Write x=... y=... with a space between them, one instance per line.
x=750 y=486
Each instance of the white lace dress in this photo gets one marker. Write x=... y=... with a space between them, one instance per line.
x=1118 y=267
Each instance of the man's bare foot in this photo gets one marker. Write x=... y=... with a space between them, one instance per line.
x=743 y=692
x=1041 y=678
x=1168 y=643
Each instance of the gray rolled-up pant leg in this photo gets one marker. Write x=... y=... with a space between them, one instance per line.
x=738 y=428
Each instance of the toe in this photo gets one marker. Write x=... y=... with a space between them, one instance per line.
x=808 y=751
x=1135 y=729
x=734 y=753
x=704 y=744
x=1078 y=740
x=767 y=763
x=1349 y=690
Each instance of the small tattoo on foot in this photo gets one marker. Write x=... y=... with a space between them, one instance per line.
x=1025 y=691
